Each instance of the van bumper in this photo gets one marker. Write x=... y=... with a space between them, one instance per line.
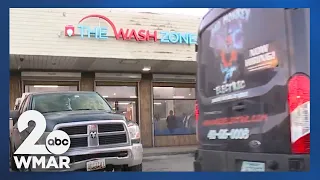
x=223 y=161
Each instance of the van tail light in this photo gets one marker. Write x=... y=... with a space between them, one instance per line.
x=299 y=108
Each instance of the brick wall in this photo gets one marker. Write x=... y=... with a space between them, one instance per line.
x=15 y=88
x=87 y=82
x=145 y=94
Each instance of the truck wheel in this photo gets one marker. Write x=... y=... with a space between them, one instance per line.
x=137 y=168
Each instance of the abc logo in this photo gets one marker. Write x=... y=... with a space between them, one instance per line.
x=58 y=142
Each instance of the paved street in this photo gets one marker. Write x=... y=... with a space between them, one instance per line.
x=183 y=162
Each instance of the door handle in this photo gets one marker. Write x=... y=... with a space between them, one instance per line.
x=239 y=107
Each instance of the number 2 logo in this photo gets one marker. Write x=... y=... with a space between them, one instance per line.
x=29 y=145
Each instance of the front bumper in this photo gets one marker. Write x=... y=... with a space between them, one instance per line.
x=134 y=157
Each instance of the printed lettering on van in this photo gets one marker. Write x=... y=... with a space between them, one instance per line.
x=261 y=58
x=236 y=120
x=240 y=133
x=230 y=87
x=239 y=14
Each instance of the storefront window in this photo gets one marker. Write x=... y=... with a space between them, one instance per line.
x=173 y=93
x=127 y=108
x=123 y=100
x=117 y=91
x=173 y=111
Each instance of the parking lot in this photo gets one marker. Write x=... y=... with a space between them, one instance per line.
x=171 y=163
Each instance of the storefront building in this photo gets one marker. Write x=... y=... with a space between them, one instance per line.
x=142 y=63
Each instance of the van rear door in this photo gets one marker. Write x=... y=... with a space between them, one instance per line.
x=242 y=82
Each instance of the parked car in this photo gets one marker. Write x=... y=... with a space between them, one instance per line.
x=116 y=140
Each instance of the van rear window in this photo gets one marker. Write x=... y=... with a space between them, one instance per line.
x=241 y=50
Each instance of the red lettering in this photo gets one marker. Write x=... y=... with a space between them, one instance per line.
x=258 y=117
x=224 y=121
x=154 y=36
x=253 y=118
x=142 y=35
x=236 y=120
x=233 y=120
x=264 y=117
x=133 y=34
x=219 y=121
x=245 y=119
x=208 y=123
x=121 y=33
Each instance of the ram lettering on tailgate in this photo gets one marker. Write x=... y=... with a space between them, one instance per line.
x=241 y=133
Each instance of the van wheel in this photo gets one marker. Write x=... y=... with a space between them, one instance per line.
x=137 y=168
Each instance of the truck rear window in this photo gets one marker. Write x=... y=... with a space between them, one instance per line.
x=241 y=50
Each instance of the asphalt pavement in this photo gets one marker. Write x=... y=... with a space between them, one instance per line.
x=168 y=163
x=175 y=150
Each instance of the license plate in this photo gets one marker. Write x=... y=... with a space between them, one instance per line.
x=96 y=165
x=252 y=166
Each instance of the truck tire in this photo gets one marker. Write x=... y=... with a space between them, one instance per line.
x=137 y=168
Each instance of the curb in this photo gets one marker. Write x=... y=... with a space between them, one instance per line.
x=168 y=153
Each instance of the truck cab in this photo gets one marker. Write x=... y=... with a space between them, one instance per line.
x=253 y=90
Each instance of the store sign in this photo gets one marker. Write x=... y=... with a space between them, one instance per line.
x=101 y=32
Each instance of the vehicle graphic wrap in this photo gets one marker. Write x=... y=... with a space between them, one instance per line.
x=243 y=75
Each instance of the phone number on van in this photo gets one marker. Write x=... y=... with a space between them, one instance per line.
x=241 y=133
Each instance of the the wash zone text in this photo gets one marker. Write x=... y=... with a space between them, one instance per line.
x=138 y=35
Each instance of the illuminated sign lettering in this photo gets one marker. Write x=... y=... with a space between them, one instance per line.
x=101 y=33
x=97 y=32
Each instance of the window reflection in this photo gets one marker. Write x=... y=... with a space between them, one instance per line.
x=173 y=111
x=127 y=108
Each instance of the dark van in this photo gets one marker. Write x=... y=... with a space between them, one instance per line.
x=253 y=90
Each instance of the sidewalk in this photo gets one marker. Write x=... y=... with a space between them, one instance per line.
x=175 y=150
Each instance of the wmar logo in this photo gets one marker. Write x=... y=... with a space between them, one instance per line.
x=45 y=155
